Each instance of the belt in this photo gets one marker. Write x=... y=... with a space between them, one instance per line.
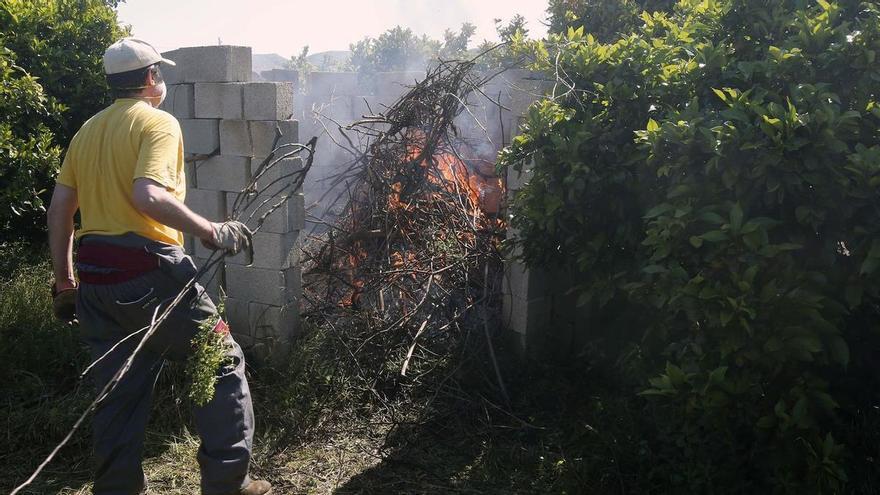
x=105 y=264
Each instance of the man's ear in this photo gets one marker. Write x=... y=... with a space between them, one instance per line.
x=150 y=81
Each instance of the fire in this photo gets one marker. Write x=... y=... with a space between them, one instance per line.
x=468 y=182
x=475 y=180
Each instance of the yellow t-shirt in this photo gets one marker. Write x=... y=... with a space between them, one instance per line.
x=125 y=141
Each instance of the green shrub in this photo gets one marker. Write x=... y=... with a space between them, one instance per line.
x=716 y=173
x=607 y=20
x=29 y=156
x=51 y=82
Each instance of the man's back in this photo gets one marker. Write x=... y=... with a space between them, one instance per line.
x=127 y=140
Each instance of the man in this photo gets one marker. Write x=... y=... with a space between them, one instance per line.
x=124 y=172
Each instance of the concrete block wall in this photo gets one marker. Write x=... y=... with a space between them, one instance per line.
x=229 y=124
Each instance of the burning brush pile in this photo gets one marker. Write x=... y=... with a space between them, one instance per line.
x=408 y=279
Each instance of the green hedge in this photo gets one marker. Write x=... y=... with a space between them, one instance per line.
x=716 y=174
x=51 y=82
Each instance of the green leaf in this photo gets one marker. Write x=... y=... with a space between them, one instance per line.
x=653 y=126
x=854 y=295
x=839 y=350
x=696 y=241
x=714 y=236
x=736 y=217
x=712 y=217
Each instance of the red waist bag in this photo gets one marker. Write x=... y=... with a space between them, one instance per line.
x=118 y=264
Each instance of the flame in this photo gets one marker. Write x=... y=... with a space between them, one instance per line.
x=471 y=179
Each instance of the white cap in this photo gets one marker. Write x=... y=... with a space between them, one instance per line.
x=130 y=54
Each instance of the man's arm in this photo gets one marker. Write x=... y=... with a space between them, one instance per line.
x=153 y=200
x=60 y=222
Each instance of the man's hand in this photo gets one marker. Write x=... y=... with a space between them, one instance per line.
x=64 y=300
x=232 y=237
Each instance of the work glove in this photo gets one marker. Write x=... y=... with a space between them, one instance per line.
x=64 y=304
x=232 y=237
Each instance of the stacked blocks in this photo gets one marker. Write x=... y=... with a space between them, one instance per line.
x=229 y=125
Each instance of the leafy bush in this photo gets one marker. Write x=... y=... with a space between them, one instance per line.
x=29 y=157
x=605 y=19
x=399 y=49
x=51 y=82
x=716 y=174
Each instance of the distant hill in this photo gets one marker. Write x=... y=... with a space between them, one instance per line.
x=331 y=60
x=268 y=61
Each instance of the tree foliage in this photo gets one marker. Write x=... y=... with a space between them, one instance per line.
x=604 y=19
x=28 y=153
x=51 y=56
x=399 y=49
x=714 y=177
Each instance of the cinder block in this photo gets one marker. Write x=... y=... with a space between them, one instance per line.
x=263 y=285
x=200 y=251
x=334 y=83
x=224 y=173
x=268 y=101
x=280 y=323
x=276 y=171
x=189 y=170
x=235 y=139
x=212 y=279
x=179 y=101
x=221 y=63
x=280 y=75
x=238 y=319
x=366 y=105
x=263 y=134
x=391 y=86
x=200 y=136
x=218 y=100
x=209 y=204
x=277 y=251
x=288 y=217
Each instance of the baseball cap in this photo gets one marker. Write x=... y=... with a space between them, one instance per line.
x=130 y=54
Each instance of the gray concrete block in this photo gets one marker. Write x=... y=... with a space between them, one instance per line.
x=333 y=83
x=189 y=170
x=276 y=171
x=209 y=204
x=235 y=138
x=289 y=217
x=218 y=100
x=280 y=75
x=237 y=318
x=268 y=100
x=277 y=251
x=263 y=134
x=263 y=285
x=200 y=136
x=220 y=63
x=224 y=173
x=212 y=279
x=200 y=251
x=274 y=322
x=179 y=101
x=390 y=86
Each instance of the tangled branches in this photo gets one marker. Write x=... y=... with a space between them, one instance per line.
x=408 y=278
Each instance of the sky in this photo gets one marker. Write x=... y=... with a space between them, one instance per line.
x=285 y=26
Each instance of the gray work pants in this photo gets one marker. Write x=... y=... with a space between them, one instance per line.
x=108 y=313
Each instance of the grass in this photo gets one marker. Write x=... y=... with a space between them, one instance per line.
x=570 y=429
x=313 y=436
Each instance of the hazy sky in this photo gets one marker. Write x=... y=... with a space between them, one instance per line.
x=284 y=26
